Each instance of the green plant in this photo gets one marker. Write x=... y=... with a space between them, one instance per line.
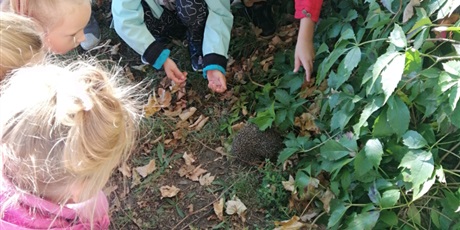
x=389 y=118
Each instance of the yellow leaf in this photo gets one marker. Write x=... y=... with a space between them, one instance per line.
x=188 y=158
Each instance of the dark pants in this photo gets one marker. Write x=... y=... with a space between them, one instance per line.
x=188 y=19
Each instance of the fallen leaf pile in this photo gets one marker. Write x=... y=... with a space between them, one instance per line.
x=195 y=173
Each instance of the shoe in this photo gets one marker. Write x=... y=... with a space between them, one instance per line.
x=262 y=17
x=195 y=48
x=92 y=34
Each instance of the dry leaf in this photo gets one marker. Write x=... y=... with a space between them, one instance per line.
x=198 y=171
x=290 y=184
x=164 y=98
x=151 y=107
x=125 y=170
x=201 y=124
x=108 y=190
x=409 y=10
x=188 y=158
x=141 y=68
x=221 y=150
x=326 y=199
x=136 y=179
x=169 y=191
x=200 y=118
x=178 y=134
x=219 y=208
x=292 y=224
x=186 y=170
x=206 y=180
x=187 y=113
x=173 y=113
x=146 y=169
x=190 y=208
x=115 y=48
x=237 y=127
x=235 y=206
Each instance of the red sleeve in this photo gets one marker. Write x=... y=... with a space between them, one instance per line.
x=308 y=7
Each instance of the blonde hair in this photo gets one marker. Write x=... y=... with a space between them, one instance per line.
x=65 y=129
x=47 y=12
x=20 y=42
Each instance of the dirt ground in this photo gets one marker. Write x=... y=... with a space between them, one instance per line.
x=136 y=202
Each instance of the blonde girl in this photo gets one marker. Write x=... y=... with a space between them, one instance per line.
x=20 y=42
x=62 y=132
x=62 y=21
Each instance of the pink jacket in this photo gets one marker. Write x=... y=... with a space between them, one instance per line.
x=32 y=212
x=305 y=8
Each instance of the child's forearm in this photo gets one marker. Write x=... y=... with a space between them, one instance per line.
x=307 y=29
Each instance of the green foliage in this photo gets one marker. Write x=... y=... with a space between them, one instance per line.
x=389 y=119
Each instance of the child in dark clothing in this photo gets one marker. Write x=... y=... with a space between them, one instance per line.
x=145 y=25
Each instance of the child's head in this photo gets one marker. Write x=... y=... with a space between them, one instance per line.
x=65 y=129
x=62 y=21
x=20 y=42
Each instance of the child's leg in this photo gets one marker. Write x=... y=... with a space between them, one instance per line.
x=166 y=27
x=193 y=14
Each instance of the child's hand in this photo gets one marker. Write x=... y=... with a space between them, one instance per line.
x=304 y=50
x=304 y=55
x=217 y=81
x=173 y=72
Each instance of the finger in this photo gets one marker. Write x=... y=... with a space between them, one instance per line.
x=307 y=68
x=296 y=64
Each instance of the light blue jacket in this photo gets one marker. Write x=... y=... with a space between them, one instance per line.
x=128 y=19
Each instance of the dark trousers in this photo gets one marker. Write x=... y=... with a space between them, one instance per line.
x=189 y=19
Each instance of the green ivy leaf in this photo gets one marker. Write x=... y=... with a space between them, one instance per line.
x=413 y=61
x=420 y=164
x=390 y=198
x=265 y=118
x=352 y=58
x=398 y=37
x=333 y=150
x=398 y=115
x=413 y=140
x=374 y=151
x=370 y=108
x=392 y=75
x=326 y=65
x=419 y=192
x=374 y=194
x=342 y=117
x=387 y=5
x=414 y=214
x=339 y=210
x=379 y=65
x=454 y=96
x=381 y=126
x=286 y=153
x=364 y=221
x=283 y=97
x=452 y=67
x=389 y=217
x=361 y=164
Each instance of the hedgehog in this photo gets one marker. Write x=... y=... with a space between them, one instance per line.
x=251 y=145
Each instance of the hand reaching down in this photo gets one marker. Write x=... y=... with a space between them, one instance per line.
x=216 y=81
x=173 y=72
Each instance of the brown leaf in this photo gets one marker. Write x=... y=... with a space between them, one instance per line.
x=136 y=179
x=198 y=120
x=188 y=158
x=326 y=199
x=190 y=208
x=237 y=127
x=276 y=40
x=146 y=169
x=201 y=124
x=173 y=113
x=164 y=98
x=292 y=224
x=178 y=134
x=206 y=180
x=219 y=208
x=290 y=184
x=409 y=10
x=141 y=68
x=235 y=206
x=151 y=107
x=114 y=49
x=169 y=191
x=198 y=171
x=186 y=170
x=187 y=113
x=125 y=170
